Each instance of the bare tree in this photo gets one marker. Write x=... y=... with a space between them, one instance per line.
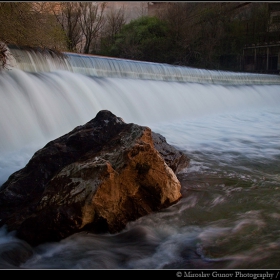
x=114 y=21
x=181 y=18
x=91 y=21
x=68 y=15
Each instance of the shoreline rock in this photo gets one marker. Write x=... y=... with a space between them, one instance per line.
x=96 y=178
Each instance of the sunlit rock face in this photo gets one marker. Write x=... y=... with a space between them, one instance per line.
x=96 y=178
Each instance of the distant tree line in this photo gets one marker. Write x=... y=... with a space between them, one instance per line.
x=204 y=35
x=199 y=34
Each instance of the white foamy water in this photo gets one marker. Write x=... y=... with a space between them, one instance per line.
x=228 y=216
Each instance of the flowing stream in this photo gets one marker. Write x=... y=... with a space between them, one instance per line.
x=227 y=123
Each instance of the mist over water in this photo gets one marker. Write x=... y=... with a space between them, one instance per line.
x=229 y=214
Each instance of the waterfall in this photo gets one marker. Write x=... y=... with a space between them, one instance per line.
x=44 y=96
x=39 y=106
x=45 y=61
x=227 y=123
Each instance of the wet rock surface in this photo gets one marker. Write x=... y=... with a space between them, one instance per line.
x=96 y=178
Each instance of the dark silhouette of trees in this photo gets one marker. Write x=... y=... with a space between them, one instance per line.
x=200 y=34
x=208 y=35
x=91 y=22
x=144 y=39
x=113 y=22
x=81 y=23
x=68 y=16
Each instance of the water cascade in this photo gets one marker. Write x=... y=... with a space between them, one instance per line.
x=98 y=66
x=227 y=123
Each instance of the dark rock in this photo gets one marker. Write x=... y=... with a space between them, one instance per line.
x=97 y=178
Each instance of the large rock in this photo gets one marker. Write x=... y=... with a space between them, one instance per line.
x=97 y=178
